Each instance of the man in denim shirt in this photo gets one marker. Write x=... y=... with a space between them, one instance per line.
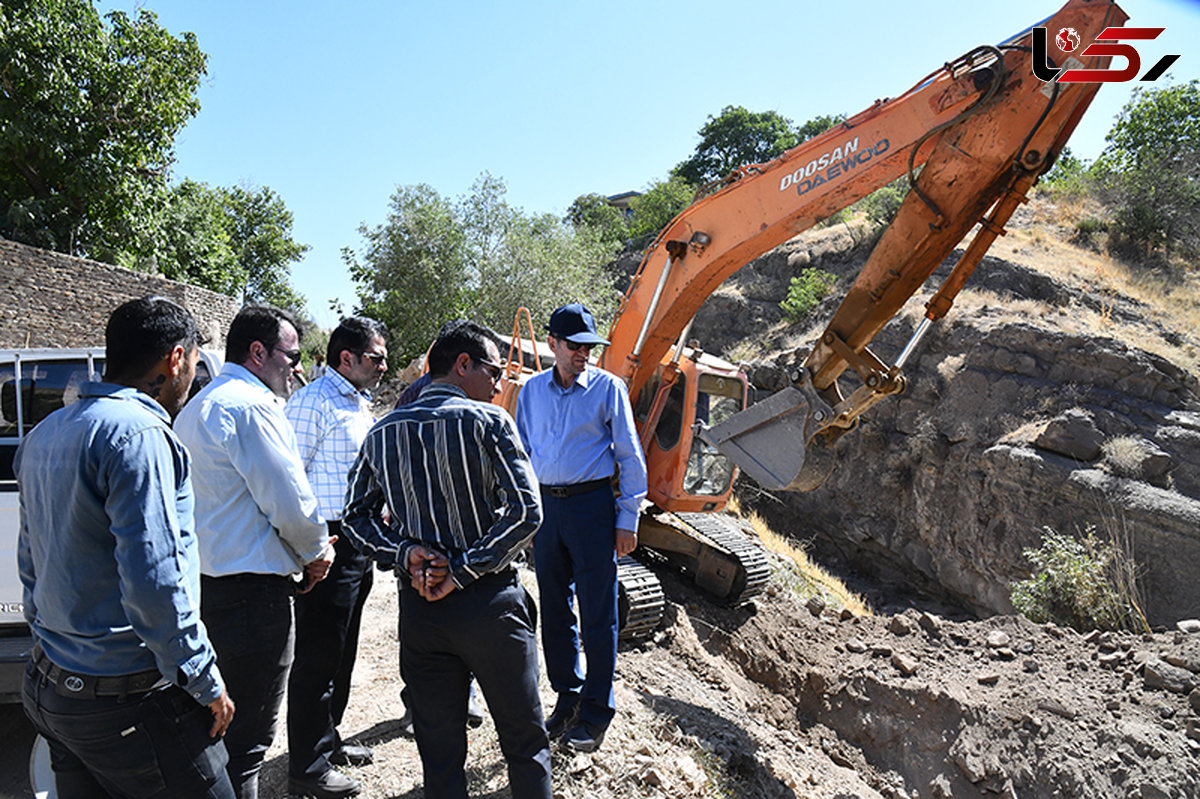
x=123 y=682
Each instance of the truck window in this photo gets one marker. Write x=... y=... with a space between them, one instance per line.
x=45 y=386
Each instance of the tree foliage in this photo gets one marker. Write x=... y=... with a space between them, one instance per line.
x=235 y=241
x=734 y=138
x=476 y=257
x=1150 y=169
x=90 y=112
x=654 y=208
x=737 y=137
x=593 y=211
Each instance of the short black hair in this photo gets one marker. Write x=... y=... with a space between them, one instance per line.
x=141 y=332
x=467 y=337
x=256 y=323
x=354 y=334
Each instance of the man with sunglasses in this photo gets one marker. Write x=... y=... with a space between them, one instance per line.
x=463 y=503
x=331 y=416
x=577 y=423
x=257 y=523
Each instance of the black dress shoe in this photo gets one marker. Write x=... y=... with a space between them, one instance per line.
x=333 y=784
x=563 y=716
x=352 y=755
x=585 y=737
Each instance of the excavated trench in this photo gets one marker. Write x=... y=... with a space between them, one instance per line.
x=924 y=707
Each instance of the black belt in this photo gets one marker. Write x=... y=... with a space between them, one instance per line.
x=576 y=488
x=86 y=686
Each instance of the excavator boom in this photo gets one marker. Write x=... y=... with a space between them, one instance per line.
x=972 y=137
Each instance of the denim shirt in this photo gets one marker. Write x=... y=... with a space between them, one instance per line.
x=107 y=548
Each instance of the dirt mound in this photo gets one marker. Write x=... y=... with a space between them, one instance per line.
x=915 y=705
x=788 y=698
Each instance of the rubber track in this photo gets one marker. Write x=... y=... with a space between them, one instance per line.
x=750 y=556
x=639 y=599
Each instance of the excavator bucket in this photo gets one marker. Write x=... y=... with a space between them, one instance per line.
x=765 y=440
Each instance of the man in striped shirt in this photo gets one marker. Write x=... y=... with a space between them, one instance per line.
x=462 y=501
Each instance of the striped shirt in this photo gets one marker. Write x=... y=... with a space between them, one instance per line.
x=331 y=418
x=456 y=479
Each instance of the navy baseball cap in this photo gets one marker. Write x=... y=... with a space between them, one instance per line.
x=574 y=323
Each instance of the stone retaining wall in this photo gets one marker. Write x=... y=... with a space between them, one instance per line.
x=48 y=299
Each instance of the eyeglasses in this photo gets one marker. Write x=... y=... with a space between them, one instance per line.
x=293 y=355
x=377 y=358
x=494 y=370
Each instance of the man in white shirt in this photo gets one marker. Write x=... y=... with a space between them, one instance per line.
x=257 y=524
x=332 y=416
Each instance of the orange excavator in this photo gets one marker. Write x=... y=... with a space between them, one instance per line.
x=972 y=137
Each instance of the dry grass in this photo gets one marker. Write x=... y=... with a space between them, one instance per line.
x=1124 y=455
x=808 y=577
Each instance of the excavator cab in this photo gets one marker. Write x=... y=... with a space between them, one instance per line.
x=684 y=396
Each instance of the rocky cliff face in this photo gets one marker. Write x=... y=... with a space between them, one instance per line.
x=1015 y=419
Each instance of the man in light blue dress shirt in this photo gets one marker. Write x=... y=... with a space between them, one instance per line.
x=257 y=522
x=577 y=424
x=122 y=668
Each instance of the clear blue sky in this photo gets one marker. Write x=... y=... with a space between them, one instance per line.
x=334 y=105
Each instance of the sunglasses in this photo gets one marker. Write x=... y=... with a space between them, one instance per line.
x=376 y=358
x=494 y=370
x=293 y=355
x=575 y=346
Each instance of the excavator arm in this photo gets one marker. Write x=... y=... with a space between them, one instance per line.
x=972 y=137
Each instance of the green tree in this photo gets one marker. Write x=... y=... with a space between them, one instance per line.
x=260 y=232
x=734 y=138
x=654 y=208
x=818 y=125
x=235 y=241
x=90 y=112
x=412 y=269
x=476 y=257
x=195 y=245
x=592 y=211
x=1150 y=169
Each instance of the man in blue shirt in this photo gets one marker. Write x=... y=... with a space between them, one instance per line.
x=577 y=424
x=257 y=523
x=463 y=502
x=123 y=681
x=332 y=416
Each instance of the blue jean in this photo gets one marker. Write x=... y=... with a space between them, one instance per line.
x=574 y=554
x=486 y=629
x=152 y=744
x=249 y=621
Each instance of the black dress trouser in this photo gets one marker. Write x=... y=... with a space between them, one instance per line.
x=485 y=629
x=328 y=619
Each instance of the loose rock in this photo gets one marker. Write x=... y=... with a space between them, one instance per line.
x=1161 y=675
x=997 y=639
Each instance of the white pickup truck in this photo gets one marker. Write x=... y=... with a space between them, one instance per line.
x=34 y=383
